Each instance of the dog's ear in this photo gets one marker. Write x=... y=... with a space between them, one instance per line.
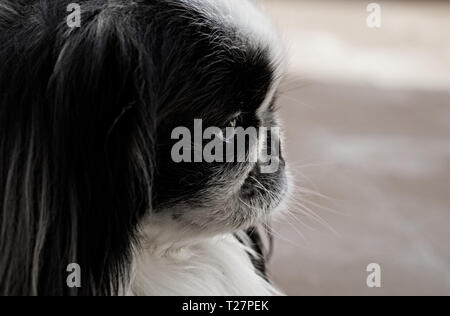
x=76 y=141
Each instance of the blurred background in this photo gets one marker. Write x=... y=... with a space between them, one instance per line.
x=367 y=126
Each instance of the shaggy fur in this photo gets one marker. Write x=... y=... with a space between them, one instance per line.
x=85 y=169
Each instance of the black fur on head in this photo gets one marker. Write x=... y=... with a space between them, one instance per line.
x=84 y=115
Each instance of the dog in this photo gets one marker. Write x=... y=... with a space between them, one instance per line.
x=87 y=174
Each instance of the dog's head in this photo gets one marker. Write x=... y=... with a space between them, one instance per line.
x=95 y=115
x=216 y=135
x=220 y=70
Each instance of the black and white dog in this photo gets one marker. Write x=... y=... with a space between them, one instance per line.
x=86 y=121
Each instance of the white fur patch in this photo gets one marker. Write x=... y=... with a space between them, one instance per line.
x=217 y=266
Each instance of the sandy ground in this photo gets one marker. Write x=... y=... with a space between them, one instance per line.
x=368 y=143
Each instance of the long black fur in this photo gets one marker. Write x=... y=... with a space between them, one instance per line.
x=80 y=111
x=76 y=142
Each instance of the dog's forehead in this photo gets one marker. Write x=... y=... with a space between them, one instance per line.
x=243 y=17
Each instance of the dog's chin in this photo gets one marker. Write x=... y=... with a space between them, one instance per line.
x=220 y=212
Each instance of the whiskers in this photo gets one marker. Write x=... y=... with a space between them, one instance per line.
x=304 y=210
x=291 y=85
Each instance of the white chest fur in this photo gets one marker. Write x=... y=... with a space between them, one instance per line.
x=216 y=266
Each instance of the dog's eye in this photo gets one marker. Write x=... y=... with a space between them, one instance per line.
x=235 y=120
x=228 y=132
